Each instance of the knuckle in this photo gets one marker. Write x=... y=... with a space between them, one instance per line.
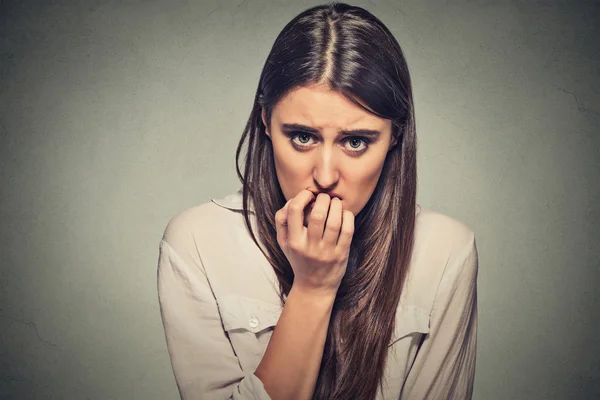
x=295 y=208
x=280 y=218
x=347 y=230
x=294 y=245
x=321 y=259
x=333 y=228
x=341 y=258
x=334 y=225
x=317 y=217
x=325 y=254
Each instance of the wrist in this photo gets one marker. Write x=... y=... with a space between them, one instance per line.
x=314 y=295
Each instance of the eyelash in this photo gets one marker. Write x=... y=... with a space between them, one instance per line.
x=366 y=141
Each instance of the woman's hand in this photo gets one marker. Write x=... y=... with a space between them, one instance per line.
x=318 y=253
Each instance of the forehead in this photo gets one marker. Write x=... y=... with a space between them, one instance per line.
x=320 y=107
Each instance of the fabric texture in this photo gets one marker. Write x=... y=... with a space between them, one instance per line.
x=219 y=303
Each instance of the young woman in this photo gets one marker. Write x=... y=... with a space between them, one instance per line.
x=322 y=277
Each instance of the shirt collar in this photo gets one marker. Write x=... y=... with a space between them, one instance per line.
x=234 y=202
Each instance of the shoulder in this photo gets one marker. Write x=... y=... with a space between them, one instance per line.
x=442 y=245
x=211 y=223
x=212 y=237
x=441 y=234
x=187 y=221
x=205 y=222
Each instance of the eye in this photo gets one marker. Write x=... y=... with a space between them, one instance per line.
x=355 y=144
x=300 y=139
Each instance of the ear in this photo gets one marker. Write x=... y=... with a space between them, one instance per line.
x=393 y=142
x=264 y=120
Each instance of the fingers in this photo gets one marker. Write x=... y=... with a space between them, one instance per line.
x=317 y=218
x=328 y=222
x=334 y=222
x=346 y=231
x=281 y=225
x=295 y=213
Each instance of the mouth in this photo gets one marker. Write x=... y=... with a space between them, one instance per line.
x=331 y=194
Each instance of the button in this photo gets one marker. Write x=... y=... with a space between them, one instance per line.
x=253 y=322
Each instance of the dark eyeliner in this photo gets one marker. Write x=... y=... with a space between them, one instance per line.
x=365 y=140
x=293 y=134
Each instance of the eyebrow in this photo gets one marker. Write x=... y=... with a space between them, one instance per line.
x=308 y=129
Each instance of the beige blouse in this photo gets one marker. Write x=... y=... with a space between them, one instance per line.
x=219 y=304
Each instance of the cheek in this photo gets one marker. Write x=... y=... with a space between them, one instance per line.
x=292 y=170
x=363 y=184
x=365 y=175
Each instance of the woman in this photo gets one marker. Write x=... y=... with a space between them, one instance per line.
x=322 y=277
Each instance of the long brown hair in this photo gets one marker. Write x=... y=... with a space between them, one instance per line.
x=354 y=53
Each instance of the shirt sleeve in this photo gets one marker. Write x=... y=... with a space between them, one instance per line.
x=204 y=362
x=444 y=366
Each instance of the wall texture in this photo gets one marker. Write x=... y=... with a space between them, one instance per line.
x=115 y=115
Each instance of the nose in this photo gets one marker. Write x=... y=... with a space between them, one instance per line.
x=325 y=172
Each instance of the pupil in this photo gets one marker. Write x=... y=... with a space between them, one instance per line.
x=304 y=136
x=355 y=141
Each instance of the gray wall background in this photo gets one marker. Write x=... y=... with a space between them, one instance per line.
x=115 y=115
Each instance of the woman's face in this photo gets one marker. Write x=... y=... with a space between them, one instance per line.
x=315 y=147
